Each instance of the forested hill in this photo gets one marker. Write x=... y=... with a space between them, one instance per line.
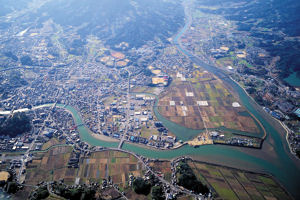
x=18 y=124
x=115 y=21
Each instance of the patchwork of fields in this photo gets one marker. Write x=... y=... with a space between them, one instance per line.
x=51 y=165
x=225 y=183
x=203 y=102
x=117 y=165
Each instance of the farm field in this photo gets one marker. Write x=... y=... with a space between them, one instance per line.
x=101 y=165
x=53 y=141
x=163 y=168
x=51 y=165
x=229 y=183
x=95 y=167
x=225 y=182
x=203 y=102
x=130 y=194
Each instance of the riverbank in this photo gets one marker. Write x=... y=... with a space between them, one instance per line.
x=104 y=138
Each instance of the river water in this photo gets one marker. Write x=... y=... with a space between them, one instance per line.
x=4 y=195
x=293 y=80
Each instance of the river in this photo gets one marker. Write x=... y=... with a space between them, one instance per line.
x=4 y=195
x=293 y=80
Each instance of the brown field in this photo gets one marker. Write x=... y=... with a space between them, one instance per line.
x=52 y=165
x=121 y=63
x=51 y=142
x=130 y=194
x=229 y=183
x=219 y=112
x=118 y=55
x=117 y=165
x=48 y=166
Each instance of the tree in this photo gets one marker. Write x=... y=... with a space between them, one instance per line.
x=11 y=55
x=12 y=187
x=187 y=179
x=157 y=193
x=147 y=72
x=88 y=194
x=140 y=186
x=298 y=153
x=26 y=60
x=17 y=124
x=83 y=193
x=41 y=193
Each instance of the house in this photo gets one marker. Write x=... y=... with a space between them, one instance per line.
x=297 y=112
x=134 y=139
x=276 y=115
x=4 y=176
x=48 y=132
x=144 y=119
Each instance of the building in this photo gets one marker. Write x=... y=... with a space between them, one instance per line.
x=297 y=112
x=161 y=80
x=4 y=176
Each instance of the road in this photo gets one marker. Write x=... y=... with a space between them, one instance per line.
x=127 y=112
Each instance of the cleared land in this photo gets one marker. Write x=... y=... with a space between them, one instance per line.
x=229 y=183
x=203 y=102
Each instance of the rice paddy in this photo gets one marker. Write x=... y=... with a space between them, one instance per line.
x=204 y=102
x=229 y=183
x=114 y=164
